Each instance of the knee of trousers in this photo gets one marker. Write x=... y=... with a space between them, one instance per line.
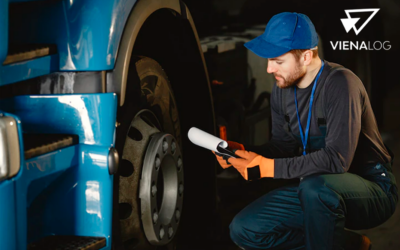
x=237 y=231
x=244 y=235
x=313 y=192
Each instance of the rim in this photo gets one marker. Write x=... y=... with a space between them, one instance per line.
x=161 y=189
x=161 y=181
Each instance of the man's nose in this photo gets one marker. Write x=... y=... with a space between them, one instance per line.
x=270 y=69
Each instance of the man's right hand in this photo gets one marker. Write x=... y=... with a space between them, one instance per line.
x=231 y=146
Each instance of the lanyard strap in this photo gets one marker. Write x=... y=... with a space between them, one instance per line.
x=304 y=138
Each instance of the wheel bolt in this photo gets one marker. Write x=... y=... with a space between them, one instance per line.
x=157 y=163
x=162 y=233
x=155 y=217
x=180 y=189
x=170 y=232
x=153 y=190
x=177 y=215
x=173 y=147
x=165 y=146
x=179 y=164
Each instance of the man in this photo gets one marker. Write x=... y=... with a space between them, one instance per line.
x=343 y=166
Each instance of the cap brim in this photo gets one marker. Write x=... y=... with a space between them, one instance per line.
x=265 y=49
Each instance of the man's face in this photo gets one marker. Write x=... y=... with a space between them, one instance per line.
x=287 y=70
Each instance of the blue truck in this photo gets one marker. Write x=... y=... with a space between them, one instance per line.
x=96 y=98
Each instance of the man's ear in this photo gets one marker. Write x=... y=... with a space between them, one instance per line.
x=307 y=57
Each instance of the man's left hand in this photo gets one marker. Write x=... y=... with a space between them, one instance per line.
x=252 y=166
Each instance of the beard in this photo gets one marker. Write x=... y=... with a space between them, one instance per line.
x=292 y=79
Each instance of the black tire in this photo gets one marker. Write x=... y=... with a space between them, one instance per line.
x=148 y=89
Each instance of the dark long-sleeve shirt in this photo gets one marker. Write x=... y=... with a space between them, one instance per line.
x=352 y=137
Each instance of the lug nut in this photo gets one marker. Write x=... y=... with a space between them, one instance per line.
x=180 y=189
x=155 y=217
x=173 y=147
x=170 y=232
x=153 y=190
x=177 y=215
x=165 y=146
x=162 y=233
x=179 y=164
x=157 y=163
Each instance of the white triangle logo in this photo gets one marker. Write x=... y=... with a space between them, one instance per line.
x=350 y=23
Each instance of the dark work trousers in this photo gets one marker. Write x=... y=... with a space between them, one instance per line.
x=312 y=215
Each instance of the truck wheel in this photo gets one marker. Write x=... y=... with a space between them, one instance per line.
x=151 y=171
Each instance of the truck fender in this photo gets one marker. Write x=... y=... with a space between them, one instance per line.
x=117 y=79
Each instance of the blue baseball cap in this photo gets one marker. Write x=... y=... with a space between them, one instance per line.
x=284 y=32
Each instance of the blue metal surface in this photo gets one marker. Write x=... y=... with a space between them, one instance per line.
x=68 y=191
x=87 y=32
x=90 y=116
x=36 y=185
x=8 y=200
x=8 y=215
x=19 y=1
x=28 y=69
x=3 y=30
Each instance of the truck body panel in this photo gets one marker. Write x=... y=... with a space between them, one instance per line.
x=25 y=70
x=87 y=115
x=87 y=33
x=68 y=191
x=8 y=212
x=3 y=29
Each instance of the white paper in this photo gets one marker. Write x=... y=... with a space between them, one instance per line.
x=205 y=140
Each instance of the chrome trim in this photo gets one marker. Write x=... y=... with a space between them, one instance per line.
x=3 y=152
x=9 y=148
x=113 y=161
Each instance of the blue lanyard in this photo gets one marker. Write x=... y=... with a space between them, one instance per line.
x=304 y=140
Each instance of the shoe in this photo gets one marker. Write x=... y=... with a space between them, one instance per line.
x=365 y=243
x=355 y=241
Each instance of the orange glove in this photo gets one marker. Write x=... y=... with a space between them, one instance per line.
x=231 y=146
x=252 y=166
x=224 y=163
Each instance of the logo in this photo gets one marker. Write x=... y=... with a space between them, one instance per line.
x=350 y=23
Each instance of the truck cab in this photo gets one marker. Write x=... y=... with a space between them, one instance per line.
x=96 y=98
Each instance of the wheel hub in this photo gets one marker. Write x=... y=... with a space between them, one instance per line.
x=151 y=184
x=161 y=189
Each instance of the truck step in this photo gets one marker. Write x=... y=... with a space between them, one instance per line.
x=61 y=242
x=23 y=52
x=38 y=144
